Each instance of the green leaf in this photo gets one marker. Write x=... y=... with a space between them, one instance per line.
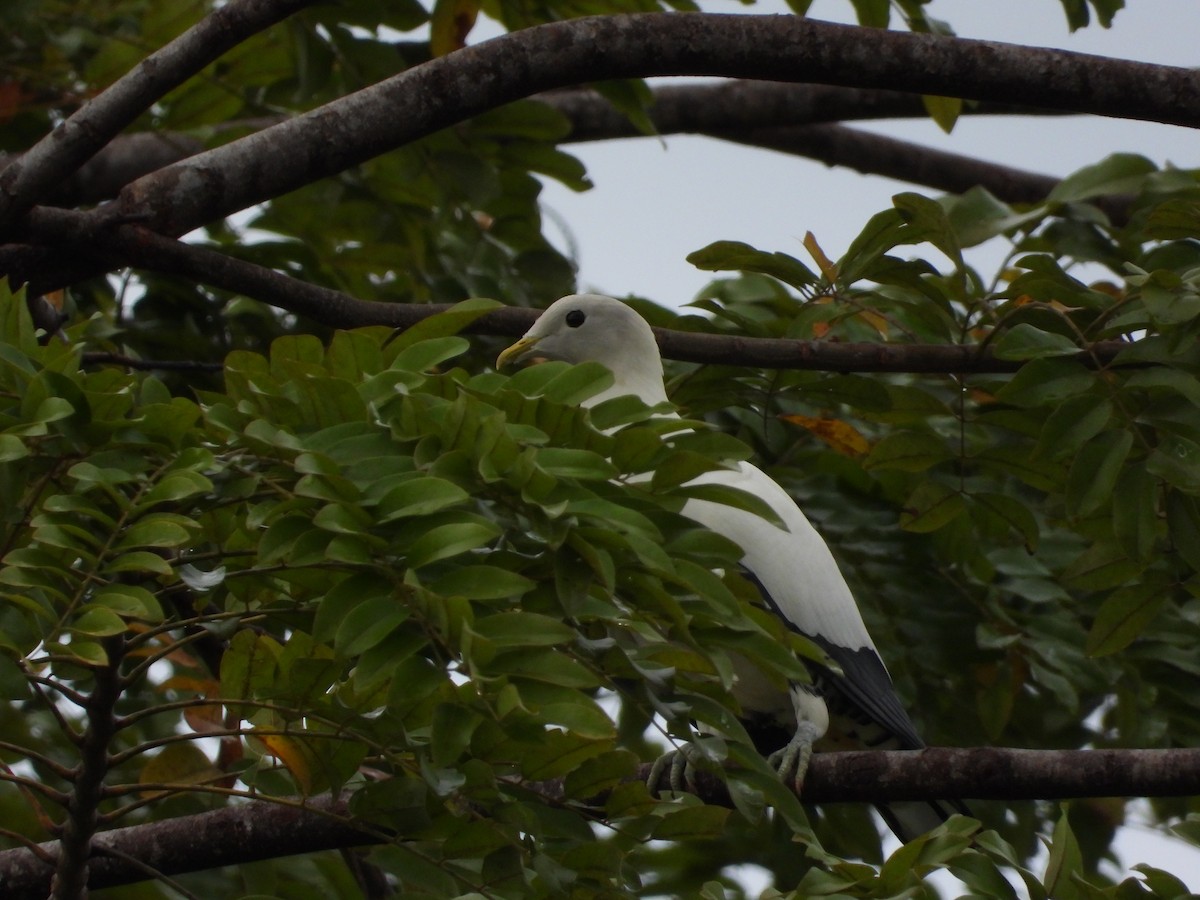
x=558 y=753
x=600 y=774
x=1044 y=381
x=11 y=448
x=368 y=623
x=420 y=356
x=154 y=531
x=1183 y=520
x=943 y=110
x=1013 y=512
x=342 y=518
x=725 y=256
x=175 y=486
x=680 y=467
x=1170 y=303
x=908 y=451
x=89 y=653
x=98 y=621
x=1075 y=422
x=977 y=216
x=524 y=629
x=1024 y=341
x=883 y=232
x=482 y=582
x=872 y=13
x=567 y=707
x=728 y=496
x=1163 y=884
x=1176 y=460
x=1100 y=567
x=1066 y=861
x=693 y=823
x=141 y=561
x=1135 y=512
x=568 y=462
x=453 y=726
x=575 y=384
x=446 y=541
x=1120 y=173
x=931 y=506
x=131 y=601
x=1094 y=472
x=248 y=665
x=632 y=98
x=1123 y=617
x=441 y=326
x=1163 y=379
x=178 y=764
x=418 y=497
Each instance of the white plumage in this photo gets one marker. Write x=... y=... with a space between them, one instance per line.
x=793 y=567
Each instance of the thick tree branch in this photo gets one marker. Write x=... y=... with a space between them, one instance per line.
x=28 y=181
x=732 y=110
x=125 y=158
x=259 y=831
x=230 y=836
x=452 y=88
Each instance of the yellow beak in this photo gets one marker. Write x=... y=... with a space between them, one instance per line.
x=512 y=354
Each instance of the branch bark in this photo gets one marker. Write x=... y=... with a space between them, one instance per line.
x=146 y=249
x=739 y=105
x=745 y=111
x=452 y=88
x=70 y=879
x=28 y=180
x=242 y=834
x=230 y=836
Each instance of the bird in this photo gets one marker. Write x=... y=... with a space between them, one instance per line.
x=787 y=560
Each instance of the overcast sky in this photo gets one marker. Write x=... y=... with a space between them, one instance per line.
x=655 y=202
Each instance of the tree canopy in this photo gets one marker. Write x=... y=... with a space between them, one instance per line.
x=299 y=597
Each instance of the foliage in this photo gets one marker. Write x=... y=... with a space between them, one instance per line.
x=364 y=563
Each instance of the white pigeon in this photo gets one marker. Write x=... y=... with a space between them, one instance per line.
x=792 y=566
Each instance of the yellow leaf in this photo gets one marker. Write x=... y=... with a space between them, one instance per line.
x=876 y=321
x=451 y=22
x=841 y=436
x=294 y=754
x=827 y=266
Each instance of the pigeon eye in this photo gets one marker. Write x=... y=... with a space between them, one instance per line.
x=575 y=318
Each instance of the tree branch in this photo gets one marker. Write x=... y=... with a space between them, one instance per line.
x=26 y=181
x=454 y=87
x=70 y=879
x=125 y=158
x=233 y=835
x=731 y=110
x=140 y=247
x=242 y=834
x=737 y=105
x=905 y=161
